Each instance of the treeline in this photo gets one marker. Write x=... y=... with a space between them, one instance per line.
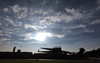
x=82 y=54
x=93 y=53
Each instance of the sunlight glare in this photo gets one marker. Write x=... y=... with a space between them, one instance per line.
x=42 y=36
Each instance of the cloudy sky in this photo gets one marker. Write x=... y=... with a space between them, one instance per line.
x=32 y=24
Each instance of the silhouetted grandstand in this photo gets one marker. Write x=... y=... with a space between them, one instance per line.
x=52 y=53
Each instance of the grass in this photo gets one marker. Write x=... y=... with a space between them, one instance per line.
x=33 y=61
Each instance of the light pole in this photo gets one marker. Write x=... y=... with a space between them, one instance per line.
x=20 y=48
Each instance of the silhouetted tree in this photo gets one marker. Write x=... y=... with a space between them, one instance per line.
x=80 y=54
x=81 y=50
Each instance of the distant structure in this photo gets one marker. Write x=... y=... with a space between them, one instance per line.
x=55 y=50
x=16 y=54
x=52 y=53
x=14 y=49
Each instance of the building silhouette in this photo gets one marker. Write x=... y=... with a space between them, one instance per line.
x=52 y=53
x=55 y=50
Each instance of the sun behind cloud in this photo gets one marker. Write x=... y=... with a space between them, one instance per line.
x=41 y=36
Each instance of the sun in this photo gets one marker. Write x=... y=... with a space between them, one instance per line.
x=41 y=36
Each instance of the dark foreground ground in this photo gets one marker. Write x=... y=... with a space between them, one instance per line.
x=46 y=61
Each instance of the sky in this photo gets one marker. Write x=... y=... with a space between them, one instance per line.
x=31 y=24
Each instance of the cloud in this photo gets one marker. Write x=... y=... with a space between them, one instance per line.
x=45 y=1
x=8 y=35
x=8 y=32
x=28 y=36
x=60 y=16
x=16 y=8
x=41 y=11
x=56 y=1
x=89 y=31
x=5 y=33
x=75 y=13
x=4 y=39
x=35 y=27
x=45 y=22
x=95 y=22
x=58 y=36
x=78 y=26
x=98 y=2
x=71 y=11
x=5 y=9
x=12 y=22
x=76 y=29
x=0 y=31
x=1 y=34
x=0 y=23
x=21 y=12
